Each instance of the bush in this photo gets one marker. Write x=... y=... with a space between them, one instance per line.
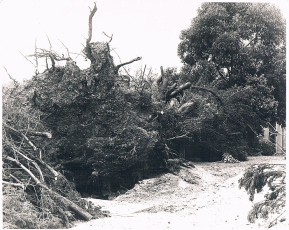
x=266 y=148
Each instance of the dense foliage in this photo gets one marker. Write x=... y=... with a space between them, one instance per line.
x=266 y=177
x=237 y=50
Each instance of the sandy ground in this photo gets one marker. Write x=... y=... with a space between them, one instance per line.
x=202 y=197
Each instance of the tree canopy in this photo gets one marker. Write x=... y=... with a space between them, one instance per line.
x=239 y=45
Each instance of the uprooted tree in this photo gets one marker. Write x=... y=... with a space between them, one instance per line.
x=107 y=133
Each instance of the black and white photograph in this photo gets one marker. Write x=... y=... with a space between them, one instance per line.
x=143 y=114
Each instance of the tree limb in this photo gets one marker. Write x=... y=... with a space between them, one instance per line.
x=33 y=162
x=92 y=12
x=14 y=184
x=125 y=63
x=41 y=134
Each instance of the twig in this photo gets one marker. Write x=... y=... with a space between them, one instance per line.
x=179 y=137
x=50 y=46
x=36 y=57
x=271 y=224
x=13 y=79
x=27 y=59
x=15 y=178
x=110 y=37
x=67 y=50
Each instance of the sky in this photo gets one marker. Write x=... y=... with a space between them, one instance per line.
x=146 y=28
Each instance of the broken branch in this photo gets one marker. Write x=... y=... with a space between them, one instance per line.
x=84 y=214
x=41 y=134
x=125 y=63
x=92 y=12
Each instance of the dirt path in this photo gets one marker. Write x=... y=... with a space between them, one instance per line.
x=202 y=197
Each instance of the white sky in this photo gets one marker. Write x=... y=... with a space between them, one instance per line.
x=146 y=28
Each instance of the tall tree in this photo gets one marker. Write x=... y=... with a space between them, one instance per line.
x=240 y=45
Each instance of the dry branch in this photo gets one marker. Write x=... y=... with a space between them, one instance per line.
x=110 y=37
x=15 y=178
x=179 y=137
x=36 y=180
x=46 y=134
x=92 y=12
x=125 y=63
x=84 y=214
x=33 y=162
x=14 y=184
x=13 y=79
x=29 y=142
x=41 y=134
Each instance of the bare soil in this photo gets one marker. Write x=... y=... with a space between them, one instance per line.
x=206 y=196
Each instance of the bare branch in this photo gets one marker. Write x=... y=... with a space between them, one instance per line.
x=179 y=137
x=162 y=71
x=143 y=72
x=29 y=142
x=33 y=162
x=123 y=67
x=27 y=59
x=84 y=214
x=67 y=50
x=126 y=63
x=92 y=12
x=36 y=57
x=41 y=134
x=110 y=37
x=15 y=178
x=50 y=46
x=14 y=184
x=13 y=79
x=37 y=181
